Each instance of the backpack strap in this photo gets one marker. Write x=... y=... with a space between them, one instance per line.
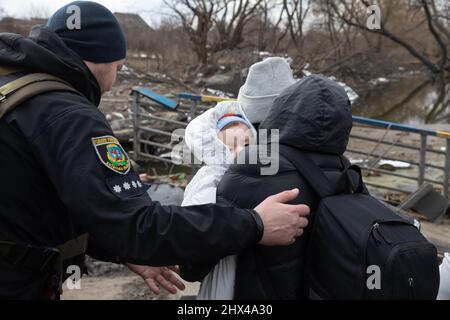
x=309 y=170
x=318 y=180
x=351 y=174
x=14 y=93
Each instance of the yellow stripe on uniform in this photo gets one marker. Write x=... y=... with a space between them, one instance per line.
x=21 y=82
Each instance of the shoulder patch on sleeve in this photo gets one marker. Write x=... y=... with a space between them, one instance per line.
x=111 y=154
x=126 y=186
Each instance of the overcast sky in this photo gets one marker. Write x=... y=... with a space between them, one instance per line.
x=150 y=10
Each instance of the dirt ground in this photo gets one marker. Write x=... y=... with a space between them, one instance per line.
x=122 y=287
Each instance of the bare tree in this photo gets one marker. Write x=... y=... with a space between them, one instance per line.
x=438 y=64
x=230 y=20
x=296 y=12
x=214 y=25
x=196 y=17
x=263 y=30
x=263 y=16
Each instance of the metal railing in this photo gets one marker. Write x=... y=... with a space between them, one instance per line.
x=144 y=132
x=196 y=98
x=422 y=149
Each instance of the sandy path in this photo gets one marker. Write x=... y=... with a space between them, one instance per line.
x=121 y=287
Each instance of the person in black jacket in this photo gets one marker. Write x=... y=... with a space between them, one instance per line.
x=64 y=174
x=314 y=117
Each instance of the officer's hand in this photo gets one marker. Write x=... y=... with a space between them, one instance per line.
x=163 y=276
x=283 y=223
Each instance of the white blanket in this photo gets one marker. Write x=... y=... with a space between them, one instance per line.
x=444 y=288
x=202 y=140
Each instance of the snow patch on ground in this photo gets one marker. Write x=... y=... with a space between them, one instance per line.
x=378 y=81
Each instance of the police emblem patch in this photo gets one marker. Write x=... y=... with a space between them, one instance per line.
x=111 y=154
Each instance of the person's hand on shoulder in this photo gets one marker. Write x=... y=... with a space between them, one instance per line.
x=283 y=223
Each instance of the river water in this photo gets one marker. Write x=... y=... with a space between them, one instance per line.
x=395 y=101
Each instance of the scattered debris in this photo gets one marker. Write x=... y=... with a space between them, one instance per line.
x=219 y=93
x=178 y=178
x=263 y=54
x=118 y=115
x=166 y=194
x=357 y=161
x=407 y=188
x=379 y=81
x=352 y=95
x=386 y=166
x=226 y=82
x=98 y=268
x=390 y=165
x=394 y=164
x=427 y=202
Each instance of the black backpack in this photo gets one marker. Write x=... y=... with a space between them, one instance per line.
x=359 y=248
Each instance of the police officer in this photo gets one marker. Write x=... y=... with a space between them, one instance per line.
x=63 y=174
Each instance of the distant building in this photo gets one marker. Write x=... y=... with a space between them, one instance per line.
x=137 y=31
x=132 y=22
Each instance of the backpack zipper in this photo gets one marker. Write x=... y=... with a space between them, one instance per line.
x=378 y=233
x=401 y=247
x=411 y=286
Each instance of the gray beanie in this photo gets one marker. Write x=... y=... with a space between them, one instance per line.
x=265 y=81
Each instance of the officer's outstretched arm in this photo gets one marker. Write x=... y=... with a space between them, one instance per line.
x=105 y=198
